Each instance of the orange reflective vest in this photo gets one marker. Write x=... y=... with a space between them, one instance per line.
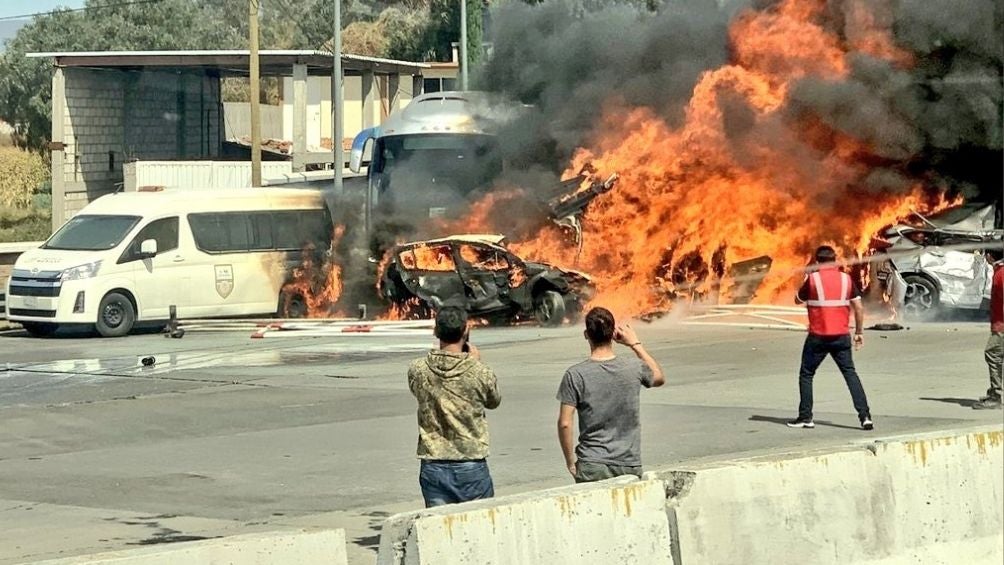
x=829 y=302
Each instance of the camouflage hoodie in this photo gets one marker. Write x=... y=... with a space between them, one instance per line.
x=453 y=390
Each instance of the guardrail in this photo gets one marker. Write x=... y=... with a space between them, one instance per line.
x=9 y=252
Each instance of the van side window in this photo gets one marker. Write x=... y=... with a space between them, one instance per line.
x=295 y=228
x=220 y=233
x=164 y=231
x=260 y=231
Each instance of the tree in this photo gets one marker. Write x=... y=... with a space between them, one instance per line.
x=25 y=83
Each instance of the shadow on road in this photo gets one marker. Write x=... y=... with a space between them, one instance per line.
x=964 y=402
x=784 y=422
x=376 y=524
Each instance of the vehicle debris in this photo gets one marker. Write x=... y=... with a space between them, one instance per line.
x=566 y=209
x=940 y=263
x=478 y=273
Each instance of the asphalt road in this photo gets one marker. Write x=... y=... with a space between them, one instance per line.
x=226 y=434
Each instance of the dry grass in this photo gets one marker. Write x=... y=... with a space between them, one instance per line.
x=22 y=174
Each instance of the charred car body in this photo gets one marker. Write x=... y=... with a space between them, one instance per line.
x=941 y=263
x=478 y=273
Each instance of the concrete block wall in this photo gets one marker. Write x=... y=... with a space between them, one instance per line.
x=112 y=116
x=936 y=499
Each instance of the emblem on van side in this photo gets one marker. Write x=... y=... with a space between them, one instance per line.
x=224 y=280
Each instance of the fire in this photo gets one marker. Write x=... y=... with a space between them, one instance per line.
x=319 y=297
x=410 y=309
x=739 y=178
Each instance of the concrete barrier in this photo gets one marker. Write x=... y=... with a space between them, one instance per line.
x=620 y=521
x=299 y=547
x=933 y=499
x=930 y=499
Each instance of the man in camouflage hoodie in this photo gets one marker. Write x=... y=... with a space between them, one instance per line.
x=453 y=388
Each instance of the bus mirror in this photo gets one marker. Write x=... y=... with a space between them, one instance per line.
x=359 y=148
x=148 y=248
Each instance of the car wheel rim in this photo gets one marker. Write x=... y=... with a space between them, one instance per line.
x=918 y=297
x=112 y=315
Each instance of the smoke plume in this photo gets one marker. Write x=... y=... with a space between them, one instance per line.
x=927 y=107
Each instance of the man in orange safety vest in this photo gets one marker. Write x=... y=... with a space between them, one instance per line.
x=830 y=296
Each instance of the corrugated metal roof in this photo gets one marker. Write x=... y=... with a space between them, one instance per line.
x=227 y=60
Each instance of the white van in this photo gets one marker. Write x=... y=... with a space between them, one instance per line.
x=129 y=257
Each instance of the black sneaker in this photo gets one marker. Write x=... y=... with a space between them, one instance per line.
x=988 y=403
x=802 y=424
x=867 y=424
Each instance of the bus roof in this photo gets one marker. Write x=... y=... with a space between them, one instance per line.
x=450 y=112
x=182 y=201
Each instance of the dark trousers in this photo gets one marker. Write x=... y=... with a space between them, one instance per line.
x=450 y=482
x=814 y=351
x=587 y=472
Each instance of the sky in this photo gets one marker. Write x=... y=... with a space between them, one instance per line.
x=10 y=8
x=19 y=7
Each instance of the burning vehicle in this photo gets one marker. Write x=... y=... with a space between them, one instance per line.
x=940 y=263
x=478 y=273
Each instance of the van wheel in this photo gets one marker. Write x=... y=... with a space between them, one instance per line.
x=292 y=305
x=40 y=329
x=116 y=315
x=549 y=308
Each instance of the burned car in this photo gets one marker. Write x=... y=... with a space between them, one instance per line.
x=478 y=273
x=940 y=262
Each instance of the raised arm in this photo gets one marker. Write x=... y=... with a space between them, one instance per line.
x=625 y=335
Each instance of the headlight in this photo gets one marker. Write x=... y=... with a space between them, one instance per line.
x=85 y=271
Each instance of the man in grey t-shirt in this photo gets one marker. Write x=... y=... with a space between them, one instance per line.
x=604 y=391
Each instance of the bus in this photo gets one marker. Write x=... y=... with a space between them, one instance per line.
x=430 y=155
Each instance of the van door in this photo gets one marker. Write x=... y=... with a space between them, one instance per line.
x=157 y=279
x=234 y=279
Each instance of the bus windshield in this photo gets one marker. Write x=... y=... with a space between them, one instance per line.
x=92 y=233
x=462 y=162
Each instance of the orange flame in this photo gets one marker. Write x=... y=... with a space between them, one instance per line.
x=708 y=193
x=320 y=298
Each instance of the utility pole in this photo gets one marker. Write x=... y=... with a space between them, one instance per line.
x=337 y=99
x=463 y=44
x=255 y=87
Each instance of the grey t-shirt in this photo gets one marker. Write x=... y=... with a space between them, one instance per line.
x=605 y=394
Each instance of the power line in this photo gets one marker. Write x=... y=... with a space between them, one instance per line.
x=85 y=8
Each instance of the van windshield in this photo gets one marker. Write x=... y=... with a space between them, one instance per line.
x=92 y=233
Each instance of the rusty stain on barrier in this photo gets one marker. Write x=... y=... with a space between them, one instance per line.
x=630 y=493
x=566 y=505
x=982 y=439
x=921 y=450
x=450 y=519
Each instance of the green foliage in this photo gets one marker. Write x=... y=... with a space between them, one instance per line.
x=22 y=174
x=32 y=224
x=418 y=30
x=409 y=33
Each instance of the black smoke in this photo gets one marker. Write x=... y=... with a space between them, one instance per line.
x=569 y=58
x=937 y=120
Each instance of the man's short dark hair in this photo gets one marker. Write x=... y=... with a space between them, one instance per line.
x=825 y=254
x=600 y=326
x=451 y=324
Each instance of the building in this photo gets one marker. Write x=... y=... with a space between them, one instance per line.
x=112 y=108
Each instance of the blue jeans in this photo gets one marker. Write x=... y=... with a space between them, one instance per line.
x=813 y=353
x=450 y=482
